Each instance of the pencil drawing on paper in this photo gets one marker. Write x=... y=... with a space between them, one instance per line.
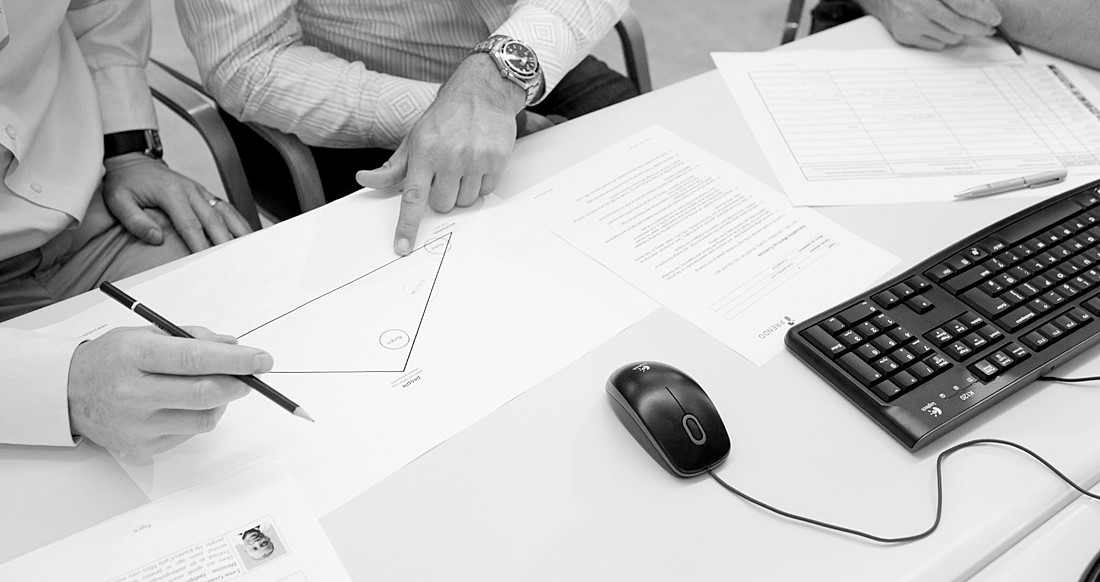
x=366 y=325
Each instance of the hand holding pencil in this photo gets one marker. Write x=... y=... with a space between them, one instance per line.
x=141 y=392
x=935 y=24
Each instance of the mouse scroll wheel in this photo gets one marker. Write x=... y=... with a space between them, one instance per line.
x=694 y=429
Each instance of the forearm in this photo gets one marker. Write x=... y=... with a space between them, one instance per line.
x=114 y=36
x=253 y=61
x=1066 y=28
x=561 y=32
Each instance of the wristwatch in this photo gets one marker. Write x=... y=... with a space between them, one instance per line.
x=145 y=141
x=517 y=62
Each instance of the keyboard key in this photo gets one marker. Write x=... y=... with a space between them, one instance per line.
x=856 y=314
x=883 y=321
x=1065 y=323
x=859 y=369
x=975 y=340
x=1002 y=360
x=884 y=342
x=867 y=330
x=823 y=341
x=986 y=305
x=922 y=371
x=1040 y=306
x=918 y=283
x=919 y=304
x=886 y=390
x=938 y=362
x=902 y=290
x=900 y=335
x=1035 y=341
x=1051 y=331
x=868 y=352
x=1017 y=318
x=850 y=338
x=832 y=325
x=957 y=327
x=959 y=262
x=966 y=280
x=920 y=349
x=990 y=333
x=959 y=351
x=886 y=299
x=1017 y=351
x=906 y=380
x=903 y=356
x=985 y=369
x=941 y=337
x=1079 y=315
x=885 y=366
x=939 y=272
x=1093 y=305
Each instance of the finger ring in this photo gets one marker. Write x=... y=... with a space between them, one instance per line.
x=214 y=202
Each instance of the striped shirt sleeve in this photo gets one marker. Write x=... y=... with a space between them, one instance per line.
x=253 y=60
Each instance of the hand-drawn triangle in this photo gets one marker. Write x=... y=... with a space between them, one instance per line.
x=380 y=312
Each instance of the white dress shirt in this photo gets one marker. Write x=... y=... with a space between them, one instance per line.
x=359 y=74
x=70 y=72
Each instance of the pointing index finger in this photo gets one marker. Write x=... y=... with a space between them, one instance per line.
x=414 y=198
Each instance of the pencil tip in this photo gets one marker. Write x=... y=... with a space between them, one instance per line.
x=302 y=413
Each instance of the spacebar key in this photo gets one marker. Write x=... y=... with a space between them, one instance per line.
x=988 y=306
x=858 y=368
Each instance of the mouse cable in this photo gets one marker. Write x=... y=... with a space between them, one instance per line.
x=1068 y=380
x=939 y=494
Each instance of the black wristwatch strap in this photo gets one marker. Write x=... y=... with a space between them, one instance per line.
x=145 y=141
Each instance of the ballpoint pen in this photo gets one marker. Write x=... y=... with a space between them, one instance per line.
x=176 y=331
x=1033 y=181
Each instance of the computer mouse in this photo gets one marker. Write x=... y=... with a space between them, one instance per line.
x=674 y=415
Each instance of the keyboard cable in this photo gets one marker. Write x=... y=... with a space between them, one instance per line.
x=939 y=491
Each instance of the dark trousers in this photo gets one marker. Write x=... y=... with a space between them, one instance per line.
x=591 y=85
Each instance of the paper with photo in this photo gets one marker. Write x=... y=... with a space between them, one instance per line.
x=894 y=125
x=390 y=356
x=706 y=239
x=252 y=526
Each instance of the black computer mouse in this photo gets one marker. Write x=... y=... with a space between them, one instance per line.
x=673 y=414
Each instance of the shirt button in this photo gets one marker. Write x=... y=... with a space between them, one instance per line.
x=36 y=187
x=10 y=131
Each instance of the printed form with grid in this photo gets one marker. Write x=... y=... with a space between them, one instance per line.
x=945 y=340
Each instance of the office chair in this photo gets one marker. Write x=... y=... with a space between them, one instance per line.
x=826 y=14
x=277 y=160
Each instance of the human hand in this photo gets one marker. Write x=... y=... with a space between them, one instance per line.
x=139 y=391
x=934 y=24
x=456 y=151
x=135 y=182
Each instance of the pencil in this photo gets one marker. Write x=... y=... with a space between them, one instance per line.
x=1011 y=42
x=176 y=331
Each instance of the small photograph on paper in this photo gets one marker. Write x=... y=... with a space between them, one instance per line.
x=258 y=545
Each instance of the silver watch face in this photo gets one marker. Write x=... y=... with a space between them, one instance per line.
x=519 y=58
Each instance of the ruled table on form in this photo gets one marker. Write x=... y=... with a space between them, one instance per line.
x=912 y=125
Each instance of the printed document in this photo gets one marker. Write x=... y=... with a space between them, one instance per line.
x=252 y=526
x=899 y=125
x=390 y=355
x=706 y=239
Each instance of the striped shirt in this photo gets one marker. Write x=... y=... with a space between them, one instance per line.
x=342 y=73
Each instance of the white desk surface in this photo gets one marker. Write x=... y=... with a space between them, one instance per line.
x=552 y=486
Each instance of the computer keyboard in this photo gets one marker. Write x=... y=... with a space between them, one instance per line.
x=935 y=346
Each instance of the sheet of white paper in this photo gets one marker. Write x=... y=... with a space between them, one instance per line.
x=706 y=239
x=197 y=534
x=899 y=125
x=405 y=353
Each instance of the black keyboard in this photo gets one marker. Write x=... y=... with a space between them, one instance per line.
x=931 y=348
